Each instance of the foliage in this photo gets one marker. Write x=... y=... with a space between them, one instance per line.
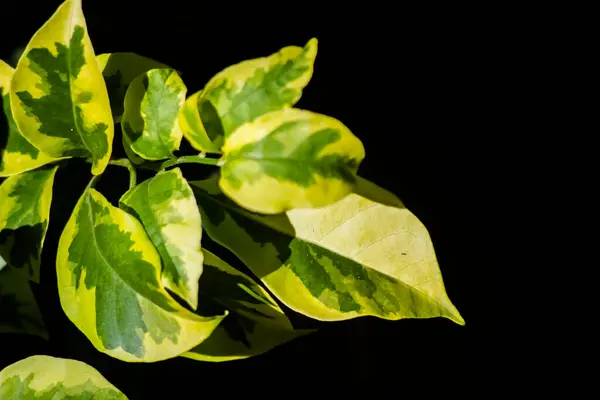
x=136 y=277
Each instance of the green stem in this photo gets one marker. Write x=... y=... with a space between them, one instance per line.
x=124 y=162
x=197 y=159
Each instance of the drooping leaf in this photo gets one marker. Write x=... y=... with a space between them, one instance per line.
x=58 y=96
x=16 y=153
x=110 y=287
x=119 y=70
x=152 y=104
x=363 y=255
x=245 y=91
x=19 y=312
x=24 y=214
x=290 y=159
x=50 y=378
x=255 y=325
x=166 y=206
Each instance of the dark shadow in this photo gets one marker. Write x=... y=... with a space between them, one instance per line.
x=19 y=246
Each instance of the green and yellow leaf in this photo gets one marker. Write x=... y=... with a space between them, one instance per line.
x=255 y=324
x=59 y=100
x=25 y=200
x=166 y=206
x=245 y=91
x=152 y=104
x=19 y=311
x=193 y=128
x=364 y=255
x=110 y=287
x=119 y=70
x=290 y=159
x=17 y=155
x=46 y=378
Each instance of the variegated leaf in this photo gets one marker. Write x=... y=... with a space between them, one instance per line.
x=245 y=91
x=364 y=255
x=110 y=287
x=50 y=378
x=255 y=325
x=16 y=154
x=166 y=206
x=290 y=159
x=19 y=311
x=25 y=200
x=58 y=96
x=152 y=104
x=119 y=70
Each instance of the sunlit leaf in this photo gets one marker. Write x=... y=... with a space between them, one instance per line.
x=364 y=255
x=152 y=104
x=245 y=91
x=49 y=378
x=110 y=287
x=256 y=323
x=19 y=311
x=59 y=100
x=16 y=153
x=166 y=206
x=24 y=215
x=290 y=159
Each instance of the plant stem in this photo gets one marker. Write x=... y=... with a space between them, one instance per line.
x=197 y=159
x=124 y=162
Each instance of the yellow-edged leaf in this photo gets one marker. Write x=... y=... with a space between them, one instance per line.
x=364 y=255
x=166 y=206
x=17 y=155
x=245 y=91
x=289 y=159
x=149 y=122
x=110 y=287
x=59 y=99
x=50 y=378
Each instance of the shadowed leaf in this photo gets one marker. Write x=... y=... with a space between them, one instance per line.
x=24 y=216
x=255 y=324
x=19 y=312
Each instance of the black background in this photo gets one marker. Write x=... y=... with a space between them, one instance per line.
x=424 y=88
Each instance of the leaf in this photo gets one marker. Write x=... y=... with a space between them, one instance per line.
x=24 y=215
x=16 y=154
x=110 y=288
x=245 y=91
x=166 y=206
x=289 y=159
x=255 y=324
x=58 y=96
x=119 y=70
x=193 y=128
x=353 y=258
x=46 y=378
x=19 y=312
x=152 y=104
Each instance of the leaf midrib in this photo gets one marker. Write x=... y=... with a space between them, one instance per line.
x=73 y=111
